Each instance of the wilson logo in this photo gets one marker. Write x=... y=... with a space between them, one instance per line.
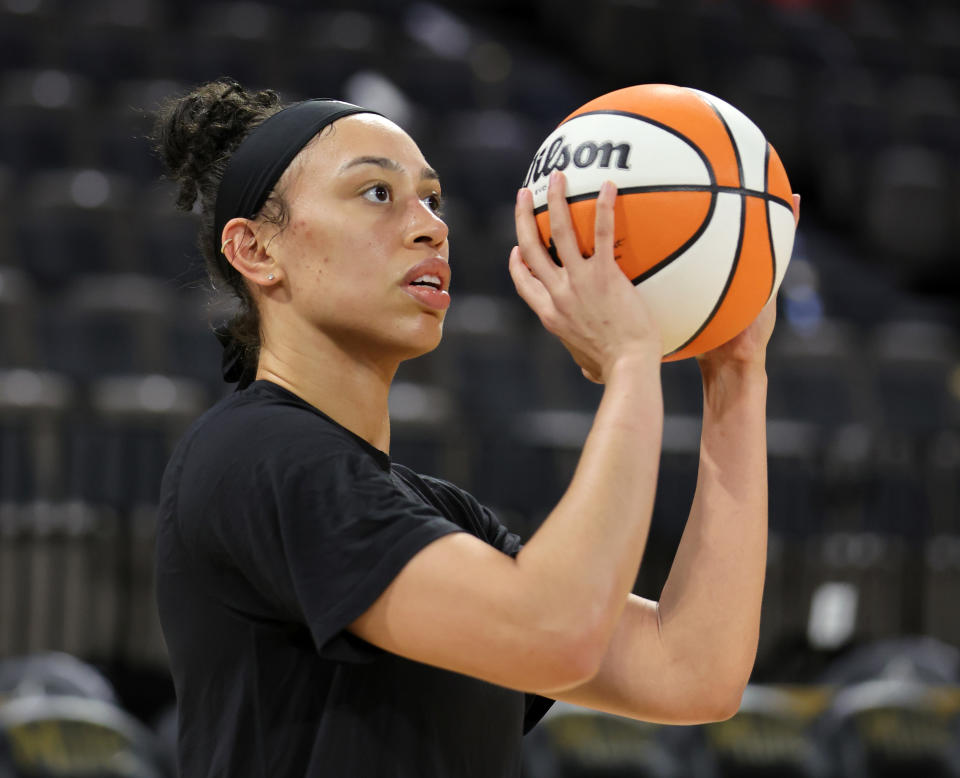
x=559 y=156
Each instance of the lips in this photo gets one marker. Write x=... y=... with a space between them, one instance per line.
x=428 y=282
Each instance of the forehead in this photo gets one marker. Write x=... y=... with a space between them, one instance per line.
x=366 y=135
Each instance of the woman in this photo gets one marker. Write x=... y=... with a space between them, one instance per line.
x=331 y=613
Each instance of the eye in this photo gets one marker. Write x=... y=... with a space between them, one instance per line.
x=434 y=202
x=378 y=193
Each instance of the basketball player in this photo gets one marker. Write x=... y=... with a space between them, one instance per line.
x=329 y=612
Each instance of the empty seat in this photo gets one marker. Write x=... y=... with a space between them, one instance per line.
x=99 y=50
x=926 y=111
x=53 y=673
x=19 y=341
x=719 y=36
x=229 y=39
x=912 y=363
x=917 y=658
x=941 y=586
x=76 y=221
x=426 y=433
x=817 y=376
x=121 y=143
x=8 y=212
x=879 y=591
x=328 y=47
x=60 y=589
x=81 y=737
x=895 y=726
x=44 y=112
x=195 y=350
x=768 y=89
x=879 y=37
x=33 y=410
x=110 y=324
x=908 y=219
x=486 y=157
x=773 y=735
x=141 y=643
x=573 y=742
x=853 y=123
x=27 y=35
x=796 y=497
x=165 y=244
x=938 y=39
x=120 y=449
x=942 y=465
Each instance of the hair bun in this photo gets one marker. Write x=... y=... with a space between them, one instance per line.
x=195 y=134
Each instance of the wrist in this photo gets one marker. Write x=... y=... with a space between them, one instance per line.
x=728 y=382
x=755 y=371
x=643 y=358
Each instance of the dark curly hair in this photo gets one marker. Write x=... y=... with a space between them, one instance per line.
x=194 y=136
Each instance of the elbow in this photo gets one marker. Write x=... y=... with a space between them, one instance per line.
x=721 y=702
x=722 y=706
x=571 y=660
x=727 y=682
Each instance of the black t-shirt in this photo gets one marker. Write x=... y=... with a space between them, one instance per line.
x=277 y=529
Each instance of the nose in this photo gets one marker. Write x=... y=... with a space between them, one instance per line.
x=425 y=225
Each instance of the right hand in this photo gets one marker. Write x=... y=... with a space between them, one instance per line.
x=587 y=302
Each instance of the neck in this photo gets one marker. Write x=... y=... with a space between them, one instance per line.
x=347 y=385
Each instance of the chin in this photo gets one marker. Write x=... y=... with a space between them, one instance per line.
x=424 y=341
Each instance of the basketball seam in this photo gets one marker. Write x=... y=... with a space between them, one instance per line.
x=726 y=286
x=682 y=250
x=766 y=213
x=731 y=136
x=713 y=188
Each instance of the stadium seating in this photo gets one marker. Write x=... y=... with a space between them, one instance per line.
x=106 y=349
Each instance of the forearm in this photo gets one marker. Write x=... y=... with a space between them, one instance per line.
x=710 y=604
x=583 y=560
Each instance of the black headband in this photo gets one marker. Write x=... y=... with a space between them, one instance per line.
x=260 y=159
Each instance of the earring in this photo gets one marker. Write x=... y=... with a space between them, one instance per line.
x=270 y=277
x=228 y=240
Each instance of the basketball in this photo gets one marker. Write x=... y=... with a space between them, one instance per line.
x=704 y=222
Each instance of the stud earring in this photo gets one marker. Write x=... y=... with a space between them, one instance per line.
x=270 y=277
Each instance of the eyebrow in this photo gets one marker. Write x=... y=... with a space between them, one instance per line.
x=388 y=164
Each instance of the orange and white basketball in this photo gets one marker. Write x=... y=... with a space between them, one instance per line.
x=704 y=221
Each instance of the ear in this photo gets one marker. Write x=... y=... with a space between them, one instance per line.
x=247 y=252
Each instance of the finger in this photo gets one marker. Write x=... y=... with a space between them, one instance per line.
x=590 y=376
x=532 y=250
x=603 y=220
x=796 y=209
x=530 y=289
x=561 y=223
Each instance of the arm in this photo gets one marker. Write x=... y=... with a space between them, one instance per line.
x=543 y=621
x=688 y=658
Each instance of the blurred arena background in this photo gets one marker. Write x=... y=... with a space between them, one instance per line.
x=106 y=351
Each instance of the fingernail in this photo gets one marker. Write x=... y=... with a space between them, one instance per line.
x=554 y=177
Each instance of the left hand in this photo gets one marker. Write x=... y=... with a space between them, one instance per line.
x=750 y=346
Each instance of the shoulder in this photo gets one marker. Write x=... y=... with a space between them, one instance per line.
x=262 y=451
x=265 y=425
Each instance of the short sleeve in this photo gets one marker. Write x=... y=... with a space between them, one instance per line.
x=451 y=500
x=327 y=540
x=486 y=525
